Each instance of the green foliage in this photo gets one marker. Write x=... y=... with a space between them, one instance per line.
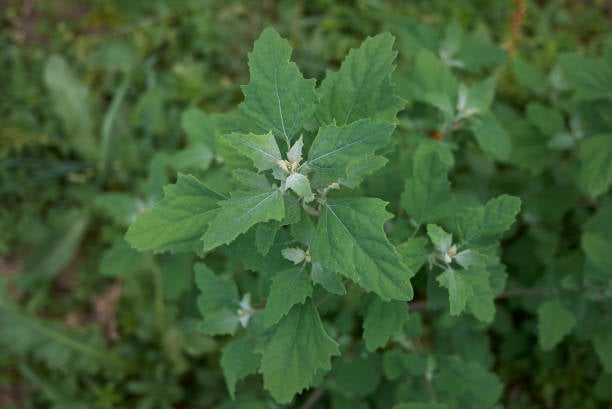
x=375 y=220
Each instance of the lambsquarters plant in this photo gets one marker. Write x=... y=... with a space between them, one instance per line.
x=306 y=237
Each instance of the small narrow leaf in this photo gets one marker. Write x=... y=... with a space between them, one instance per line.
x=349 y=239
x=361 y=88
x=238 y=360
x=288 y=288
x=293 y=254
x=239 y=213
x=300 y=185
x=382 y=320
x=178 y=221
x=295 y=153
x=554 y=323
x=278 y=98
x=261 y=149
x=440 y=239
x=296 y=349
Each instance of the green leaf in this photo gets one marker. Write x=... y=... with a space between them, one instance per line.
x=554 y=323
x=592 y=78
x=197 y=157
x=440 y=239
x=288 y=288
x=527 y=75
x=278 y=99
x=350 y=239
x=327 y=279
x=295 y=350
x=294 y=254
x=251 y=180
x=71 y=101
x=337 y=148
x=414 y=252
x=357 y=377
x=361 y=88
x=418 y=405
x=480 y=302
x=433 y=83
x=603 y=347
x=300 y=185
x=382 y=320
x=177 y=222
x=357 y=171
x=238 y=360
x=465 y=385
x=486 y=223
x=426 y=190
x=121 y=259
x=529 y=146
x=265 y=233
x=199 y=127
x=548 y=120
x=459 y=288
x=218 y=302
x=596 y=238
x=261 y=149
x=492 y=137
x=595 y=175
x=240 y=212
x=476 y=99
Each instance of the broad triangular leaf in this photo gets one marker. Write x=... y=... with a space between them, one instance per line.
x=492 y=137
x=288 y=288
x=595 y=155
x=426 y=191
x=261 y=149
x=218 y=302
x=295 y=350
x=177 y=222
x=278 y=98
x=350 y=239
x=488 y=222
x=240 y=212
x=238 y=360
x=414 y=252
x=337 y=148
x=433 y=83
x=327 y=279
x=459 y=288
x=603 y=346
x=592 y=78
x=554 y=323
x=382 y=320
x=419 y=405
x=361 y=88
x=480 y=302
